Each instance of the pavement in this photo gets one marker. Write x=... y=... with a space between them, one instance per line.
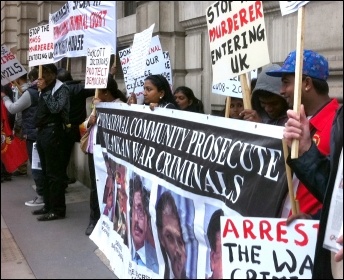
x=56 y=249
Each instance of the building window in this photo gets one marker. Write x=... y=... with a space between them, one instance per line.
x=129 y=8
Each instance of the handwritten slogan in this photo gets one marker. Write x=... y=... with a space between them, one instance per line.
x=157 y=62
x=97 y=67
x=41 y=45
x=11 y=68
x=139 y=52
x=232 y=86
x=237 y=38
x=260 y=248
x=78 y=20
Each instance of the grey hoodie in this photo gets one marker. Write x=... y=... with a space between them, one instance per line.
x=270 y=84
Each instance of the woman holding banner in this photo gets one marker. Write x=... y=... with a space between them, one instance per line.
x=157 y=93
x=108 y=94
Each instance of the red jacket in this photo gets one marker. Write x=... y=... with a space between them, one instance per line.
x=321 y=124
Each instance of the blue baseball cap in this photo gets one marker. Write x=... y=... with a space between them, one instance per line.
x=314 y=65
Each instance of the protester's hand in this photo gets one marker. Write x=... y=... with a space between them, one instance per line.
x=250 y=115
x=96 y=101
x=339 y=256
x=297 y=216
x=153 y=105
x=92 y=120
x=113 y=70
x=132 y=99
x=3 y=94
x=297 y=127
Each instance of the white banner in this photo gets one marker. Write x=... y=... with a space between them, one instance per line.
x=81 y=25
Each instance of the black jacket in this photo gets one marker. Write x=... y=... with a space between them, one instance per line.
x=77 y=99
x=318 y=173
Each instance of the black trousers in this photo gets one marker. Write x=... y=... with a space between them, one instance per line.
x=94 y=203
x=50 y=148
x=72 y=136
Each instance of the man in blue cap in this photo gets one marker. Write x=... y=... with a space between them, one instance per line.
x=319 y=108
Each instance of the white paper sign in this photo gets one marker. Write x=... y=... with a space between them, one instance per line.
x=157 y=62
x=139 y=52
x=97 y=67
x=232 y=86
x=11 y=68
x=41 y=45
x=288 y=7
x=237 y=36
x=36 y=162
x=265 y=248
x=334 y=226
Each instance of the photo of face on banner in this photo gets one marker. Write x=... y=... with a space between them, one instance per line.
x=213 y=232
x=143 y=251
x=176 y=234
x=109 y=194
x=120 y=220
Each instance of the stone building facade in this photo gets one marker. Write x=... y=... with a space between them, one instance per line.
x=182 y=28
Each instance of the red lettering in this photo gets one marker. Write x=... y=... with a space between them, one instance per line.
x=280 y=232
x=264 y=229
x=247 y=228
x=259 y=10
x=230 y=25
x=316 y=226
x=250 y=12
x=230 y=227
x=235 y=19
x=243 y=19
x=299 y=230
x=223 y=27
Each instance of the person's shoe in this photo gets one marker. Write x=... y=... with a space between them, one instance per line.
x=37 y=201
x=49 y=217
x=89 y=229
x=18 y=173
x=41 y=211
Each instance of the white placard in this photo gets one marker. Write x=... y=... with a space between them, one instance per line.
x=41 y=45
x=11 y=68
x=265 y=248
x=97 y=67
x=237 y=36
x=139 y=52
x=288 y=7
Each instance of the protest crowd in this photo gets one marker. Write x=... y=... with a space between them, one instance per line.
x=175 y=189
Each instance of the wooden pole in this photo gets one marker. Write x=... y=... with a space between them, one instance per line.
x=294 y=207
x=298 y=74
x=228 y=106
x=246 y=94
